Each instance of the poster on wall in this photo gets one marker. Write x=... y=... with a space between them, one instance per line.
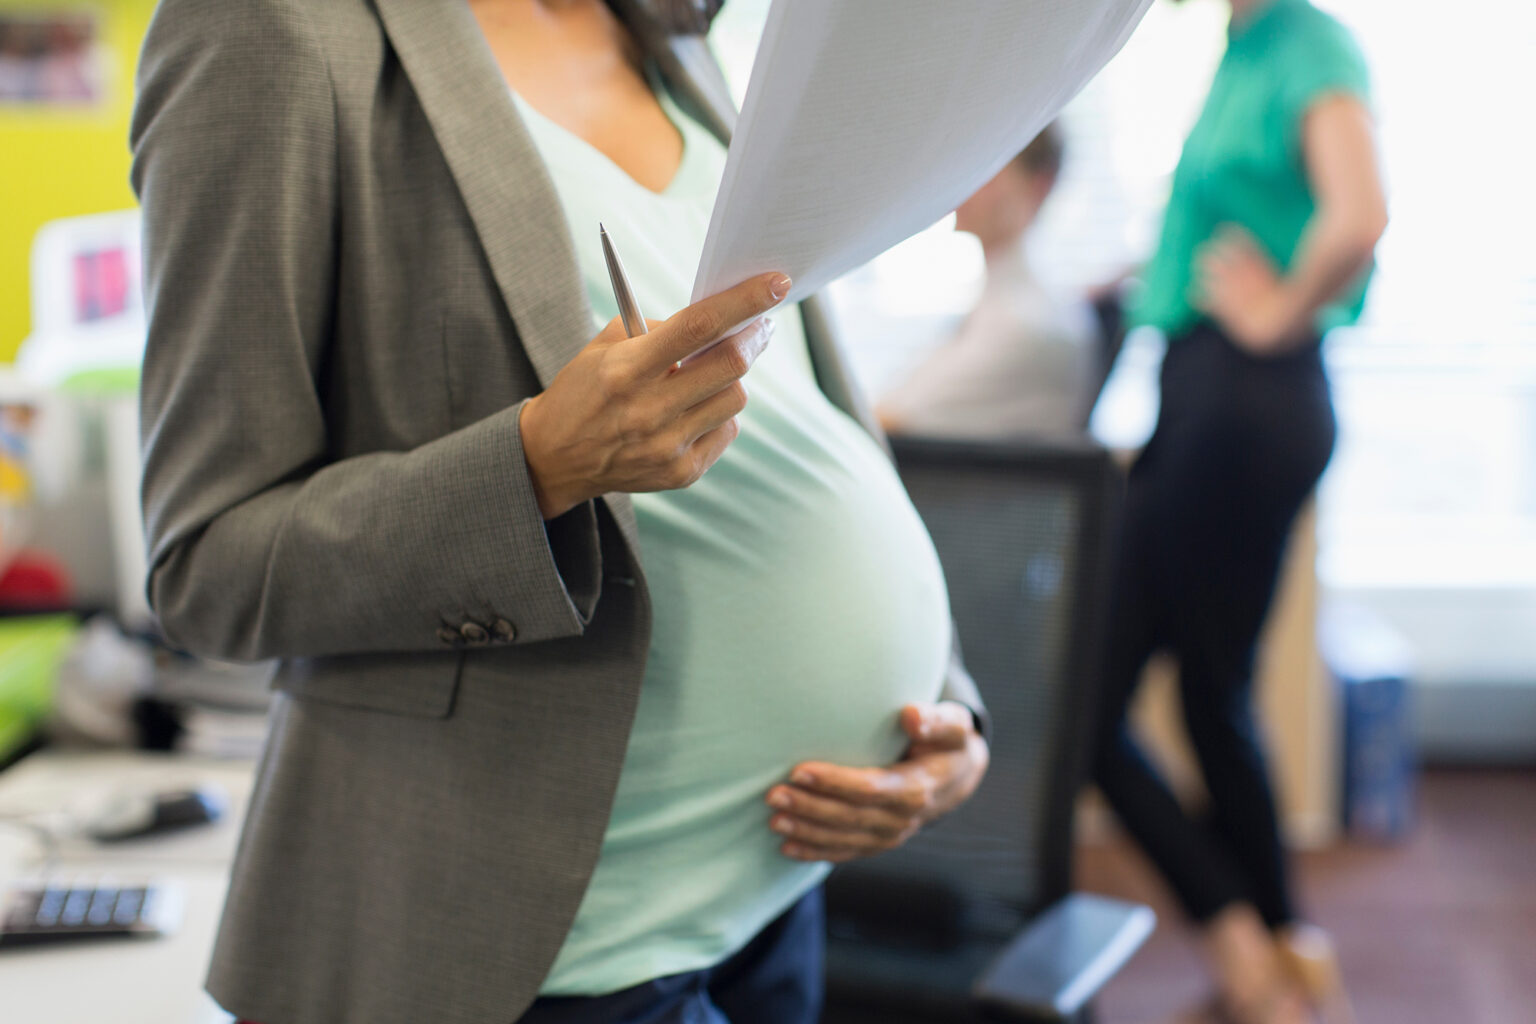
x=51 y=59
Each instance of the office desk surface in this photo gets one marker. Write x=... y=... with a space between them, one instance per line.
x=154 y=981
x=68 y=784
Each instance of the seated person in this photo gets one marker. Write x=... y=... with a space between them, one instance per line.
x=1022 y=363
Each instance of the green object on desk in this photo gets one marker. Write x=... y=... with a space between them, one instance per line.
x=114 y=380
x=31 y=649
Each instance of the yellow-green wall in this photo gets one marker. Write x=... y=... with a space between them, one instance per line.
x=63 y=164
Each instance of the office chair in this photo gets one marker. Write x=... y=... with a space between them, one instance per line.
x=973 y=919
x=1109 y=338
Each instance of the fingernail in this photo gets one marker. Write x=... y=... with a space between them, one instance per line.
x=778 y=798
x=782 y=825
x=779 y=286
x=803 y=778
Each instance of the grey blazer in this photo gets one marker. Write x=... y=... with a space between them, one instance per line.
x=357 y=270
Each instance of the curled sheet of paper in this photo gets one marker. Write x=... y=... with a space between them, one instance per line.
x=867 y=120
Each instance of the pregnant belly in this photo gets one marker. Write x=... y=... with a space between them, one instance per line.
x=797 y=605
x=804 y=657
x=752 y=671
x=780 y=698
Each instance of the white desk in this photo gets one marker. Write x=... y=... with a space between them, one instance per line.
x=155 y=981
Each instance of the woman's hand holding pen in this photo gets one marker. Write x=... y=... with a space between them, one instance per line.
x=624 y=416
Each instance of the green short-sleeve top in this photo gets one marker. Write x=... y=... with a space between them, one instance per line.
x=1243 y=163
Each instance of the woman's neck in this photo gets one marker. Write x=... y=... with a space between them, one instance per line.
x=576 y=64
x=1244 y=10
x=1003 y=255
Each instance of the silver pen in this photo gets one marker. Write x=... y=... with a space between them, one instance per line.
x=629 y=309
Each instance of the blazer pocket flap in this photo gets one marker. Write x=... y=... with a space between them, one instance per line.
x=420 y=685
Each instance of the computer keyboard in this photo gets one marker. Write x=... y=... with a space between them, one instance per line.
x=39 y=913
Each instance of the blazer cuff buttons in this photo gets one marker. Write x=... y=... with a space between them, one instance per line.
x=474 y=634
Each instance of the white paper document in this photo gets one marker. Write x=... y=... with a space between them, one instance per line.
x=865 y=121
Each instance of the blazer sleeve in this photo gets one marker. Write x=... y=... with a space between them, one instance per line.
x=261 y=543
x=959 y=686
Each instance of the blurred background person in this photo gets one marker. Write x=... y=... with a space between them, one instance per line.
x=1276 y=207
x=1022 y=362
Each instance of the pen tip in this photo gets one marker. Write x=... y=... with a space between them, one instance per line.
x=600 y=228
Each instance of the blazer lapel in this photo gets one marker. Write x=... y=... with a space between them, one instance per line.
x=700 y=86
x=500 y=175
x=504 y=184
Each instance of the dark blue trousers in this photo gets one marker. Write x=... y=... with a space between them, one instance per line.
x=775 y=979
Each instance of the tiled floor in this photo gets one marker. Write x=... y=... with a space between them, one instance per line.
x=1440 y=930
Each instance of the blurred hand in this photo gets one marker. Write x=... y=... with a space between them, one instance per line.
x=833 y=813
x=1239 y=287
x=627 y=414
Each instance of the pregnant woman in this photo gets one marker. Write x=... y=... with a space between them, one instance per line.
x=582 y=655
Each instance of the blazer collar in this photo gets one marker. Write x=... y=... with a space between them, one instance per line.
x=499 y=172
x=500 y=175
x=699 y=85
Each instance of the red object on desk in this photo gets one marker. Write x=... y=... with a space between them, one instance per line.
x=35 y=582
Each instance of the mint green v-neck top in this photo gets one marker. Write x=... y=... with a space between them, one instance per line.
x=797 y=603
x=1243 y=162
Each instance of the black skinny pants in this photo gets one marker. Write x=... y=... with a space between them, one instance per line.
x=1239 y=445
